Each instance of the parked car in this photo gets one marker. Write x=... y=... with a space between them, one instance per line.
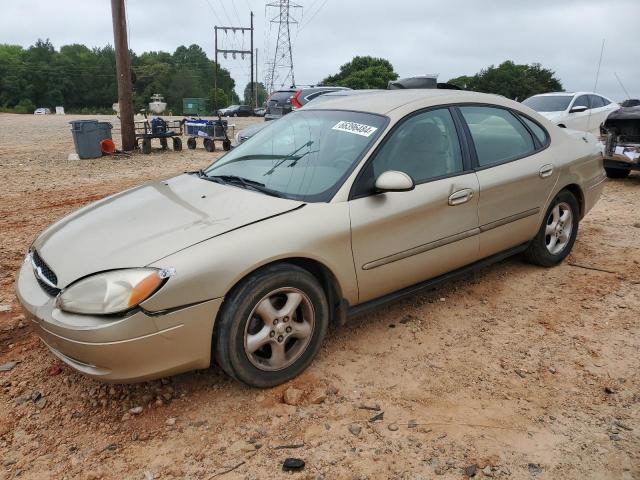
x=247 y=262
x=285 y=101
x=224 y=111
x=622 y=145
x=584 y=111
x=246 y=133
x=42 y=111
x=238 y=111
x=259 y=112
x=631 y=102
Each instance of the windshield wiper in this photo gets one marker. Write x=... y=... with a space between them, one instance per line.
x=289 y=157
x=243 y=182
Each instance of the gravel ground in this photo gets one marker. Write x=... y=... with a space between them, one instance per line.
x=513 y=372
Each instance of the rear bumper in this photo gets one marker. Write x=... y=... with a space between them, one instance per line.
x=137 y=347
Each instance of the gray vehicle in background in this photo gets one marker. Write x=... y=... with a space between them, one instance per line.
x=285 y=101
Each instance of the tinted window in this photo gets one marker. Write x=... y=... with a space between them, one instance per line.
x=497 y=135
x=425 y=146
x=605 y=101
x=305 y=155
x=548 y=103
x=596 y=101
x=581 y=101
x=537 y=130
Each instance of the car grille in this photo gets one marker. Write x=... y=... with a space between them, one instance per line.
x=40 y=267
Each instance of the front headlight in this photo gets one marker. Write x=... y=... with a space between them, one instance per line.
x=111 y=292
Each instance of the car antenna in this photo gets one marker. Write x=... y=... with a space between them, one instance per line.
x=596 y=84
x=620 y=82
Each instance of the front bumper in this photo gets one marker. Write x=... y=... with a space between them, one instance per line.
x=137 y=347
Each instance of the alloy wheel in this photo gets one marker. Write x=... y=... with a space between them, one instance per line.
x=279 y=329
x=559 y=228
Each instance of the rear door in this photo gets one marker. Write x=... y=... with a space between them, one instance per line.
x=516 y=174
x=402 y=238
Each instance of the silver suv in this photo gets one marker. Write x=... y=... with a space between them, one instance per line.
x=285 y=101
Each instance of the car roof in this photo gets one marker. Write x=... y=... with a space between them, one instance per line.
x=384 y=101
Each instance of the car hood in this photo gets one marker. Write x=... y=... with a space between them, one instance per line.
x=142 y=225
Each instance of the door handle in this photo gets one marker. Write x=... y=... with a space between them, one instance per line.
x=461 y=196
x=546 y=171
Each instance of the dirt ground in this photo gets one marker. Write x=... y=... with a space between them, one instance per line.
x=514 y=372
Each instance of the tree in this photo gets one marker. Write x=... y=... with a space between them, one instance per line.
x=217 y=97
x=261 y=91
x=511 y=80
x=84 y=79
x=363 y=72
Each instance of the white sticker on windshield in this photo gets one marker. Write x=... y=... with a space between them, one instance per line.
x=357 y=128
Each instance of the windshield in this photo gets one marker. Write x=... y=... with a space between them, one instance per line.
x=548 y=103
x=305 y=155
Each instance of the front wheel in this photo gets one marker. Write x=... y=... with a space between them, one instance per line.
x=617 y=172
x=191 y=143
x=271 y=326
x=557 y=233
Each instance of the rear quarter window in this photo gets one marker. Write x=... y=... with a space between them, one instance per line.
x=537 y=130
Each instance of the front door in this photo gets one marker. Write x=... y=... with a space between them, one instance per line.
x=402 y=238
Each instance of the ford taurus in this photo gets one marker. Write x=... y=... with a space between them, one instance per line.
x=333 y=210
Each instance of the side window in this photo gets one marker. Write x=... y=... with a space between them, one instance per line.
x=582 y=101
x=537 y=130
x=497 y=135
x=596 y=101
x=605 y=101
x=425 y=146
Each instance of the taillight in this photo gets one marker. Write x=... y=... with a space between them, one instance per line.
x=295 y=103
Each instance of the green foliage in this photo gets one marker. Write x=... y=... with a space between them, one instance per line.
x=219 y=98
x=84 y=80
x=511 y=80
x=262 y=93
x=363 y=72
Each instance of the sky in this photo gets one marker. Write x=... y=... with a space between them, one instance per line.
x=451 y=38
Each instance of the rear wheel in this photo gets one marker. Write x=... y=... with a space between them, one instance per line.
x=226 y=145
x=271 y=326
x=209 y=145
x=177 y=144
x=617 y=172
x=191 y=143
x=557 y=233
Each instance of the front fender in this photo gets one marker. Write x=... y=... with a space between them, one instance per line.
x=318 y=231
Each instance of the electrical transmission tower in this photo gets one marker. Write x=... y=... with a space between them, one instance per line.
x=280 y=72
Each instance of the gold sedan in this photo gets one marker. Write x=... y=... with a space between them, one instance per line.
x=334 y=209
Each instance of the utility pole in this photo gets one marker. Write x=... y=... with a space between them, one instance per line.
x=123 y=71
x=255 y=83
x=233 y=53
x=283 y=56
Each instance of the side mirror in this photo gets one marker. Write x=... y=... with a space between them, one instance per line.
x=578 y=109
x=394 y=181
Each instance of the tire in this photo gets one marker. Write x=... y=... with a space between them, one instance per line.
x=163 y=143
x=177 y=144
x=146 y=146
x=226 y=145
x=617 y=172
x=191 y=143
x=556 y=237
x=297 y=337
x=235 y=114
x=209 y=145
